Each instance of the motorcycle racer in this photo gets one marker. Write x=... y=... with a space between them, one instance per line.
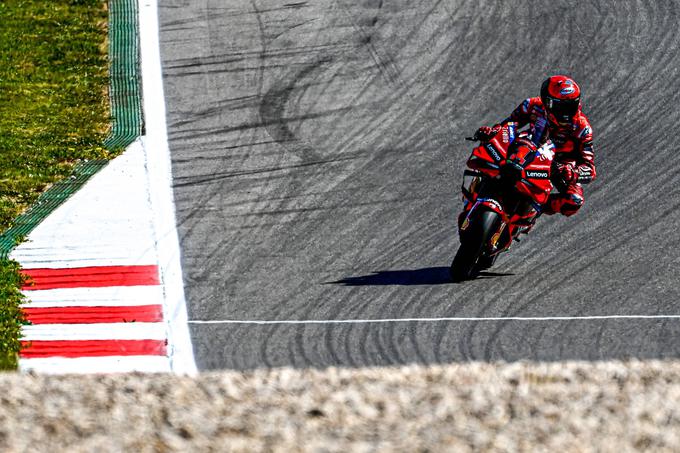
x=556 y=115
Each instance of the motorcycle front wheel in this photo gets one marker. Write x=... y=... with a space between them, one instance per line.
x=473 y=240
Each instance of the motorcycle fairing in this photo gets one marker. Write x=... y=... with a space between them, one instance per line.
x=535 y=178
x=533 y=167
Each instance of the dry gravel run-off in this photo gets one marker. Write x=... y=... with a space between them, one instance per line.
x=577 y=406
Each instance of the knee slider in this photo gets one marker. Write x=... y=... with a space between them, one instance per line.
x=576 y=200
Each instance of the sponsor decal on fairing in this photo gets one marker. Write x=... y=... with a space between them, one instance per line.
x=491 y=202
x=536 y=174
x=493 y=153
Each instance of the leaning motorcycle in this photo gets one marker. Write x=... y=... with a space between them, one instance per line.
x=506 y=182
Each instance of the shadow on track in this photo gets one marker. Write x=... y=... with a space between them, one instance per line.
x=425 y=276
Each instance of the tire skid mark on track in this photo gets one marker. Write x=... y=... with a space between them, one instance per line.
x=272 y=110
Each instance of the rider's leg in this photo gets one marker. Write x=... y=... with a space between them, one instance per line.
x=567 y=202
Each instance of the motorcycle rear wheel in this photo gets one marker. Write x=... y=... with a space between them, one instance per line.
x=472 y=243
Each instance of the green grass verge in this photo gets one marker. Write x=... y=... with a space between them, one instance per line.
x=10 y=314
x=54 y=113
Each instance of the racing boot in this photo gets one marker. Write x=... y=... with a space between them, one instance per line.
x=524 y=229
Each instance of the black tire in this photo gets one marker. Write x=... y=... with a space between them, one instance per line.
x=472 y=242
x=485 y=262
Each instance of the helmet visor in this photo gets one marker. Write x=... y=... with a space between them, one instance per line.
x=563 y=109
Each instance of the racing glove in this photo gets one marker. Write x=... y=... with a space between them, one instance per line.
x=485 y=133
x=585 y=174
x=567 y=174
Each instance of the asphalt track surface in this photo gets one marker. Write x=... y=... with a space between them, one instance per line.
x=317 y=150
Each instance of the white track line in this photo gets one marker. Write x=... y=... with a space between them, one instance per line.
x=107 y=331
x=159 y=172
x=90 y=365
x=445 y=319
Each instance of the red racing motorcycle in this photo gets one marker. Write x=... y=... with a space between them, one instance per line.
x=506 y=183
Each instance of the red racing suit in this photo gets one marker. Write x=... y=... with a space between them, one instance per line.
x=573 y=146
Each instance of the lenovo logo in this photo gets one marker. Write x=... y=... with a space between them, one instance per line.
x=537 y=174
x=493 y=153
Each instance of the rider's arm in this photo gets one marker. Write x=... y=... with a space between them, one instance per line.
x=586 y=164
x=521 y=115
